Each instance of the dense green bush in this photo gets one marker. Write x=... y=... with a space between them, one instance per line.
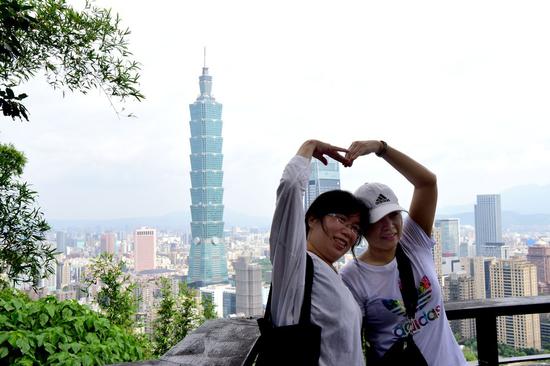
x=52 y=332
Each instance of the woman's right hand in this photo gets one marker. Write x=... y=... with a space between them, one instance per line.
x=359 y=148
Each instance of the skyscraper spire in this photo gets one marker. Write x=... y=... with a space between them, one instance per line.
x=205 y=80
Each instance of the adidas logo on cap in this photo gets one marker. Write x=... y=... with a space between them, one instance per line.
x=381 y=199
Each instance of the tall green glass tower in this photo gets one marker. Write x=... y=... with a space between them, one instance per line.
x=207 y=257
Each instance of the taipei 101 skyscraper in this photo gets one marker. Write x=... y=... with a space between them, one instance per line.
x=207 y=258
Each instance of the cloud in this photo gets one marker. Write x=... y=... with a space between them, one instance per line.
x=460 y=87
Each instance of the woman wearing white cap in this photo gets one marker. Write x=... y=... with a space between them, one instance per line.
x=374 y=278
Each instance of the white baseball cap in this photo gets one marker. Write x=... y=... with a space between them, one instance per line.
x=380 y=200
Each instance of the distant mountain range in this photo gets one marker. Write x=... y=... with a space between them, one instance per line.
x=175 y=221
x=524 y=208
x=526 y=200
x=179 y=222
x=510 y=221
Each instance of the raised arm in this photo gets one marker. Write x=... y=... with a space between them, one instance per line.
x=288 y=228
x=288 y=236
x=424 y=200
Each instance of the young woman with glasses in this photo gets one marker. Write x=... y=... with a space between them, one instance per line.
x=331 y=227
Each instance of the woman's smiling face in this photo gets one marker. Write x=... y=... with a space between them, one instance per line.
x=331 y=236
x=385 y=233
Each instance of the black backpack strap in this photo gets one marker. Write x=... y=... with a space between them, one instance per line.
x=408 y=287
x=305 y=312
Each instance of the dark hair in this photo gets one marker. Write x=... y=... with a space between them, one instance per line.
x=340 y=202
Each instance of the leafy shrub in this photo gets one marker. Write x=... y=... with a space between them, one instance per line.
x=52 y=332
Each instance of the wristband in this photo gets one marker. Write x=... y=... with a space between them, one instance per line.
x=382 y=149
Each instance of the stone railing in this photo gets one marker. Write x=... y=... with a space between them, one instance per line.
x=230 y=342
x=218 y=342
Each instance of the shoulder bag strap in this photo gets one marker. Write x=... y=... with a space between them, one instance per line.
x=267 y=314
x=305 y=312
x=408 y=287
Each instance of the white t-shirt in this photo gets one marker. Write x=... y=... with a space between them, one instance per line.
x=333 y=307
x=376 y=289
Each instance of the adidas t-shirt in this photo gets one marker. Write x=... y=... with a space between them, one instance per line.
x=376 y=289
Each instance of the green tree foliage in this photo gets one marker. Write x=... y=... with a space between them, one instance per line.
x=76 y=50
x=504 y=350
x=469 y=354
x=178 y=316
x=164 y=326
x=24 y=254
x=208 y=309
x=51 y=332
x=187 y=316
x=116 y=297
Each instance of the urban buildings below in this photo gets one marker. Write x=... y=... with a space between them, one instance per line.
x=145 y=249
x=497 y=250
x=437 y=254
x=475 y=268
x=61 y=242
x=248 y=284
x=323 y=178
x=460 y=287
x=108 y=241
x=510 y=278
x=539 y=255
x=222 y=296
x=450 y=236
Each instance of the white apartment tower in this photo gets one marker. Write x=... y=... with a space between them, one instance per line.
x=248 y=285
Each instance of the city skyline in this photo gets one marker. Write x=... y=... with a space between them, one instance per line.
x=469 y=102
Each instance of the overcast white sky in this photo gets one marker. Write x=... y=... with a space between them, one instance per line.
x=463 y=87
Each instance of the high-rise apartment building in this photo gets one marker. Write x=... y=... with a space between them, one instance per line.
x=450 y=236
x=207 y=256
x=61 y=241
x=108 y=241
x=460 y=287
x=322 y=178
x=229 y=302
x=488 y=220
x=475 y=268
x=248 y=285
x=437 y=254
x=539 y=255
x=509 y=278
x=145 y=249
